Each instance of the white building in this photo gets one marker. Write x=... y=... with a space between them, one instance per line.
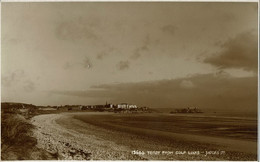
x=126 y=106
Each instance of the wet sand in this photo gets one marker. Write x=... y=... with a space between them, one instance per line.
x=109 y=136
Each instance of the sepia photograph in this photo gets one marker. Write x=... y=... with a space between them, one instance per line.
x=129 y=80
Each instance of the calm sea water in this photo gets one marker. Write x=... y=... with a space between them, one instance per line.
x=215 y=113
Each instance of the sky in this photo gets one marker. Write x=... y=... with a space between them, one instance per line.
x=164 y=54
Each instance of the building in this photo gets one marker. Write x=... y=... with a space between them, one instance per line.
x=126 y=106
x=132 y=106
x=122 y=106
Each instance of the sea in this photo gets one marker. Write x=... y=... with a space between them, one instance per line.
x=214 y=113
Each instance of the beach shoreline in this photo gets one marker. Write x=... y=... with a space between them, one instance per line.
x=74 y=139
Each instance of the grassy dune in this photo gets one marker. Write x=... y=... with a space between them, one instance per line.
x=17 y=142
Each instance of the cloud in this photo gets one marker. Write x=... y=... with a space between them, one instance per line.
x=89 y=93
x=18 y=79
x=87 y=63
x=67 y=65
x=29 y=86
x=136 y=54
x=13 y=41
x=75 y=30
x=211 y=92
x=12 y=78
x=101 y=55
x=105 y=53
x=170 y=29
x=123 y=65
x=187 y=84
x=139 y=50
x=238 y=52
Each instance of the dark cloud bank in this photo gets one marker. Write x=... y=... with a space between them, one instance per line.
x=239 y=52
x=208 y=91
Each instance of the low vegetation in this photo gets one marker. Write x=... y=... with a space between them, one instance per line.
x=17 y=141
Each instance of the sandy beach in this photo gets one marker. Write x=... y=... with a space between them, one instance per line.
x=75 y=144
x=109 y=136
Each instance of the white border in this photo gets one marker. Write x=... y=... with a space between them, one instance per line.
x=130 y=1
x=136 y=1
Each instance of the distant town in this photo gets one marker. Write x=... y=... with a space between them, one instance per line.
x=30 y=109
x=101 y=107
x=109 y=107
